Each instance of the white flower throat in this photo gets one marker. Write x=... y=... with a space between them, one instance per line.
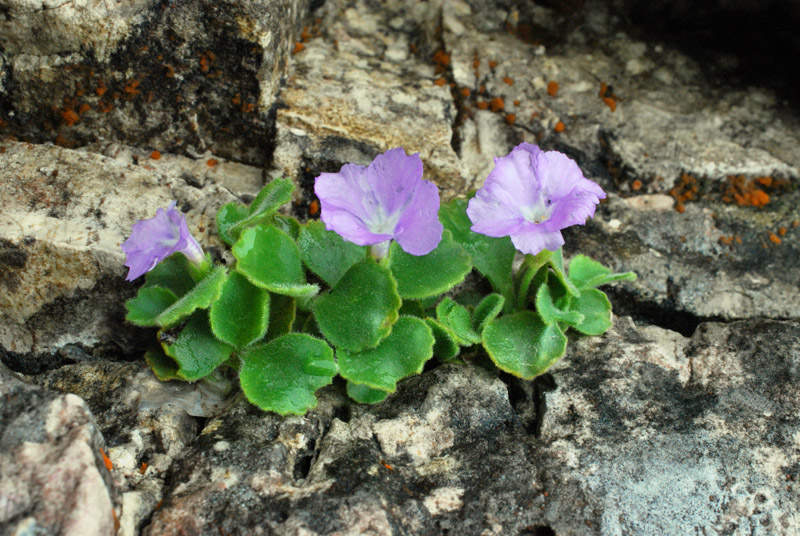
x=539 y=211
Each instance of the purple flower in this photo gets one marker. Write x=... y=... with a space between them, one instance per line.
x=531 y=195
x=154 y=240
x=386 y=200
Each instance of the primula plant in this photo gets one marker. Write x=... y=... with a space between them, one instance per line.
x=375 y=289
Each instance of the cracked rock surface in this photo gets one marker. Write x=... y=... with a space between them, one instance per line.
x=683 y=418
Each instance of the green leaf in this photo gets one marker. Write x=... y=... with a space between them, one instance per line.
x=486 y=311
x=143 y=310
x=326 y=253
x=164 y=367
x=522 y=345
x=401 y=354
x=460 y=323
x=196 y=350
x=446 y=346
x=173 y=273
x=456 y=319
x=360 y=310
x=267 y=202
x=587 y=273
x=552 y=314
x=365 y=395
x=283 y=375
x=287 y=224
x=282 y=312
x=269 y=258
x=227 y=218
x=200 y=297
x=240 y=315
x=557 y=263
x=412 y=308
x=432 y=274
x=596 y=309
x=491 y=256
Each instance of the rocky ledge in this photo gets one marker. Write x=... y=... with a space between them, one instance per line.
x=684 y=418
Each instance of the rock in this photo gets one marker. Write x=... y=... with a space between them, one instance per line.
x=713 y=261
x=65 y=214
x=445 y=453
x=146 y=424
x=357 y=90
x=651 y=433
x=52 y=476
x=177 y=77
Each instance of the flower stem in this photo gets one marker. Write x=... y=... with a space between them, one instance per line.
x=530 y=267
x=380 y=250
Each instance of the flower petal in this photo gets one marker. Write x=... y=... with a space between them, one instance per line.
x=419 y=230
x=535 y=238
x=394 y=177
x=154 y=239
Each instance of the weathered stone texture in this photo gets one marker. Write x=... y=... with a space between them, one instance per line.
x=183 y=77
x=52 y=476
x=65 y=214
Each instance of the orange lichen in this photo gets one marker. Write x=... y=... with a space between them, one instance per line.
x=608 y=96
x=106 y=460
x=143 y=468
x=782 y=231
x=482 y=105
x=211 y=162
x=248 y=107
x=492 y=64
x=83 y=108
x=774 y=238
x=508 y=80
x=795 y=223
x=237 y=99
x=465 y=92
x=746 y=193
x=205 y=62
x=516 y=102
x=170 y=70
x=101 y=88
x=636 y=185
x=69 y=116
x=510 y=118
x=686 y=190
x=105 y=107
x=313 y=207
x=440 y=82
x=766 y=181
x=132 y=87
x=497 y=104
x=559 y=127
x=552 y=89
x=155 y=155
x=441 y=60
x=298 y=47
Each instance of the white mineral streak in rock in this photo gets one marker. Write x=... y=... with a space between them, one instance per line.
x=419 y=439
x=447 y=499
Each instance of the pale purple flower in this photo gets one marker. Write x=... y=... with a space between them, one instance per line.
x=531 y=195
x=386 y=200
x=157 y=238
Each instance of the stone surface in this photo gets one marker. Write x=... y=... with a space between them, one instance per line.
x=65 y=213
x=648 y=432
x=52 y=476
x=179 y=77
x=669 y=424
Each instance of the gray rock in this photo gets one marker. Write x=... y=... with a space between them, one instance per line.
x=651 y=433
x=178 y=77
x=713 y=261
x=65 y=214
x=52 y=476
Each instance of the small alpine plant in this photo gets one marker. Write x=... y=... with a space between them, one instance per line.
x=373 y=290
